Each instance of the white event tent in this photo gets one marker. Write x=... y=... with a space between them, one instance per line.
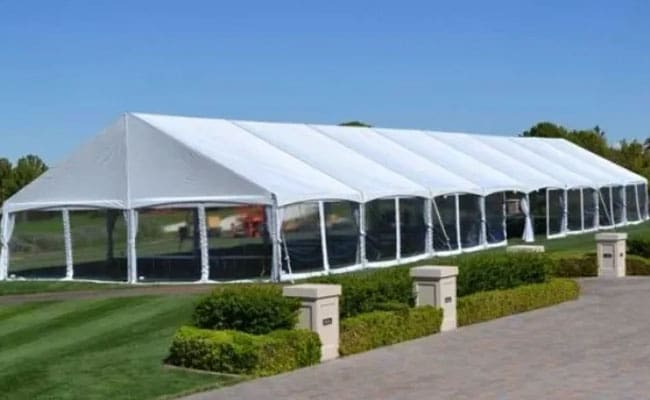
x=167 y=198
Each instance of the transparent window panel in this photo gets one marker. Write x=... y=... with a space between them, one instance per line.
x=342 y=231
x=444 y=223
x=630 y=205
x=589 y=207
x=413 y=228
x=604 y=207
x=515 y=218
x=239 y=243
x=555 y=211
x=381 y=240
x=37 y=247
x=538 y=211
x=619 y=204
x=168 y=246
x=301 y=231
x=470 y=220
x=99 y=245
x=575 y=214
x=494 y=218
x=642 y=192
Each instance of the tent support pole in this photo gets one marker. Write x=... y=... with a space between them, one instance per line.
x=565 y=212
x=203 y=243
x=582 y=210
x=323 y=236
x=484 y=241
x=398 y=232
x=624 y=199
x=6 y=230
x=363 y=258
x=428 y=219
x=548 y=227
x=458 y=234
x=131 y=236
x=596 y=199
x=67 y=237
x=638 y=205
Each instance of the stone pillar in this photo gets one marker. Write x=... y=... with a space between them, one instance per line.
x=436 y=286
x=610 y=249
x=319 y=313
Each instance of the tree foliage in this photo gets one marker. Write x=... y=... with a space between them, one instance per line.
x=15 y=177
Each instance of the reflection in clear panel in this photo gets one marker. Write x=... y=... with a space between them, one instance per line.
x=413 y=228
x=342 y=231
x=301 y=232
x=99 y=245
x=630 y=204
x=381 y=238
x=538 y=211
x=555 y=211
x=239 y=245
x=445 y=237
x=494 y=217
x=168 y=247
x=589 y=207
x=605 y=207
x=37 y=247
x=642 y=192
x=470 y=220
x=619 y=204
x=574 y=222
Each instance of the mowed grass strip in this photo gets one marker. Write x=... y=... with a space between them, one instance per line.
x=95 y=349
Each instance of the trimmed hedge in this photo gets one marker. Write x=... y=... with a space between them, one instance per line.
x=235 y=352
x=486 y=306
x=368 y=290
x=382 y=328
x=638 y=246
x=635 y=265
x=575 y=266
x=255 y=309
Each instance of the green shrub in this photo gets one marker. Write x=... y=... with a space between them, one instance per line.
x=635 y=265
x=494 y=304
x=235 y=352
x=366 y=291
x=255 y=309
x=382 y=328
x=483 y=272
x=638 y=246
x=575 y=266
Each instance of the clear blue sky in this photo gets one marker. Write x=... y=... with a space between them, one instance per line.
x=69 y=68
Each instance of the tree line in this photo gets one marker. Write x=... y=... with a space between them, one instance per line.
x=14 y=177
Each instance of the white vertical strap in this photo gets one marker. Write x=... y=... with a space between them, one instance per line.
x=67 y=237
x=458 y=235
x=323 y=236
x=638 y=205
x=596 y=199
x=269 y=213
x=582 y=210
x=398 y=231
x=362 y=235
x=504 y=221
x=548 y=228
x=203 y=243
x=612 y=218
x=6 y=231
x=623 y=193
x=131 y=217
x=481 y=205
x=529 y=234
x=428 y=220
x=645 y=203
x=565 y=212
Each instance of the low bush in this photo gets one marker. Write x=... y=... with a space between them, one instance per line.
x=575 y=266
x=255 y=309
x=494 y=304
x=638 y=246
x=235 y=352
x=368 y=290
x=635 y=265
x=382 y=328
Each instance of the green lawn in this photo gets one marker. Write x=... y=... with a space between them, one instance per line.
x=29 y=287
x=95 y=349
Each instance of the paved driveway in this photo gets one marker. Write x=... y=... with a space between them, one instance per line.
x=595 y=348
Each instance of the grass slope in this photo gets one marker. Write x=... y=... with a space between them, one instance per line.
x=96 y=349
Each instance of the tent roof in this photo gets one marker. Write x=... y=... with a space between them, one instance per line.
x=147 y=160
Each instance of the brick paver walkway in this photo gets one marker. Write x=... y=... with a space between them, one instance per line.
x=595 y=348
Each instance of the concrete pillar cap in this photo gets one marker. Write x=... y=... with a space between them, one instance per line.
x=607 y=236
x=434 y=271
x=311 y=290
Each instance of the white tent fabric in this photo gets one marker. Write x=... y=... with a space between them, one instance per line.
x=145 y=160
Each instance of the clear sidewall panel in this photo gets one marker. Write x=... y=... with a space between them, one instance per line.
x=538 y=211
x=495 y=218
x=445 y=237
x=381 y=238
x=555 y=211
x=642 y=192
x=168 y=245
x=632 y=212
x=37 y=247
x=99 y=245
x=239 y=244
x=605 y=207
x=589 y=207
x=342 y=233
x=618 y=193
x=574 y=222
x=470 y=220
x=413 y=227
x=302 y=238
